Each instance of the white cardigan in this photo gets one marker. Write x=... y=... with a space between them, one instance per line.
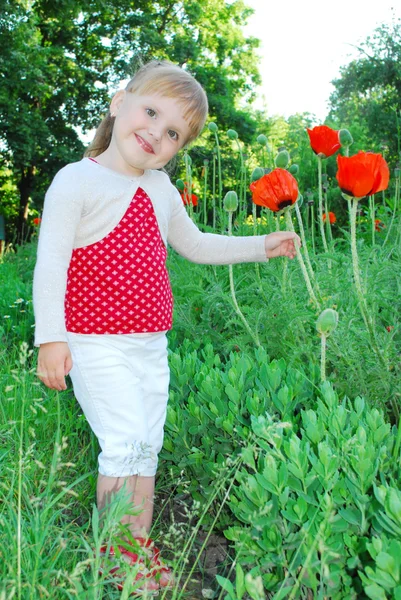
x=84 y=203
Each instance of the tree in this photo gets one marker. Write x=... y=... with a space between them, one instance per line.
x=59 y=61
x=367 y=96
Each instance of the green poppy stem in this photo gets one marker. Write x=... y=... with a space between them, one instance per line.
x=321 y=224
x=290 y=227
x=219 y=181
x=253 y=335
x=313 y=228
x=397 y=192
x=328 y=224
x=255 y=232
x=303 y=238
x=323 y=357
x=353 y=207
x=214 y=191
x=204 y=195
x=372 y=211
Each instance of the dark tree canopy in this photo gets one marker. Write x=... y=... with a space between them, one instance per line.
x=60 y=60
x=367 y=96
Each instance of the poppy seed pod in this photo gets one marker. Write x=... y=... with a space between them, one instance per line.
x=327 y=321
x=232 y=134
x=293 y=169
x=282 y=159
x=261 y=139
x=345 y=138
x=180 y=185
x=257 y=173
x=212 y=127
x=231 y=201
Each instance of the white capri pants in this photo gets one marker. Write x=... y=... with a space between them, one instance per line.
x=121 y=383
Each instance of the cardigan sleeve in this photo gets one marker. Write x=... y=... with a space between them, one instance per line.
x=210 y=248
x=61 y=215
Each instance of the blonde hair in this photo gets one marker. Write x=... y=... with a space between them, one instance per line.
x=165 y=79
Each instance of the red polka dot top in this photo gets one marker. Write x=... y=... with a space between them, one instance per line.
x=120 y=284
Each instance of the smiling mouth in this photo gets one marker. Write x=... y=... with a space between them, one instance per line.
x=144 y=145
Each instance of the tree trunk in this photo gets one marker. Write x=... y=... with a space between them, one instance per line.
x=25 y=186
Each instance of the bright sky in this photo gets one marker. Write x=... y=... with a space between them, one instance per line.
x=303 y=45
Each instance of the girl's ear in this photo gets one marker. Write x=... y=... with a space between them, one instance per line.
x=116 y=102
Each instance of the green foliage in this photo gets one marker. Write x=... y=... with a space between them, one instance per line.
x=367 y=94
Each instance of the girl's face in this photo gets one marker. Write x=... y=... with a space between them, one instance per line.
x=148 y=131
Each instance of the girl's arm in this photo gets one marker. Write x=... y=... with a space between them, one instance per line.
x=214 y=249
x=61 y=215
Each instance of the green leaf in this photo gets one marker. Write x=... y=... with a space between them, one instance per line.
x=232 y=393
x=239 y=581
x=375 y=592
x=226 y=585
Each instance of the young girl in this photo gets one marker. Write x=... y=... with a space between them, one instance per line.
x=102 y=296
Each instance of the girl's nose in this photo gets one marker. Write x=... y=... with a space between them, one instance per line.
x=155 y=132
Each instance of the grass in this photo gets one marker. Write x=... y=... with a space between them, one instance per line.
x=50 y=532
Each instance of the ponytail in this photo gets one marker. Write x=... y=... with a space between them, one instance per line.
x=102 y=138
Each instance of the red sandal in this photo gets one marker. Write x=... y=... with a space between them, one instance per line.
x=151 y=569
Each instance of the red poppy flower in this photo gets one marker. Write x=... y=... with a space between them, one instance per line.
x=332 y=217
x=324 y=141
x=379 y=225
x=363 y=174
x=187 y=198
x=390 y=328
x=37 y=221
x=276 y=190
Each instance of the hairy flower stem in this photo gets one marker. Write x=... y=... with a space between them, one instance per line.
x=313 y=228
x=290 y=227
x=353 y=207
x=321 y=224
x=242 y=192
x=214 y=191
x=323 y=357
x=253 y=335
x=255 y=232
x=397 y=193
x=220 y=181
x=204 y=195
x=328 y=224
x=303 y=238
x=372 y=211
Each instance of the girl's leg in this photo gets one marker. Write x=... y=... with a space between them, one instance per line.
x=141 y=490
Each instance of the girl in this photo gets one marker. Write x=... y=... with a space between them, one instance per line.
x=102 y=296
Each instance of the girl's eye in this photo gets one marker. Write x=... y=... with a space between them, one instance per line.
x=173 y=134
x=151 y=112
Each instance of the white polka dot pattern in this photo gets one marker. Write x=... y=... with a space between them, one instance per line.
x=120 y=284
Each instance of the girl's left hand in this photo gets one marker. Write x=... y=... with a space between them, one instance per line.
x=282 y=243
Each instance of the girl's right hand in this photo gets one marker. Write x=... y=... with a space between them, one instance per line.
x=54 y=363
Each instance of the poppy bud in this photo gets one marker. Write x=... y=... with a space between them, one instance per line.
x=180 y=185
x=187 y=159
x=345 y=138
x=300 y=200
x=293 y=169
x=232 y=134
x=282 y=159
x=397 y=170
x=257 y=173
x=206 y=162
x=261 y=139
x=231 y=201
x=327 y=321
x=212 y=127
